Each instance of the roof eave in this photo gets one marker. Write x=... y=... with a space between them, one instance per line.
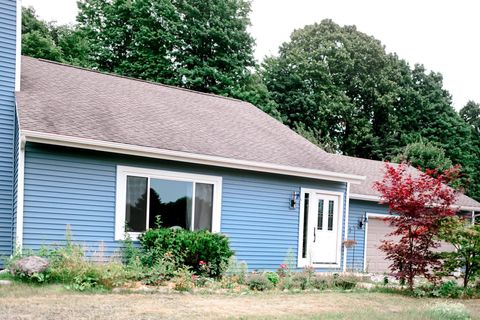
x=373 y=198
x=164 y=154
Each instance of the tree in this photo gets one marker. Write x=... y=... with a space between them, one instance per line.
x=419 y=203
x=57 y=43
x=340 y=84
x=216 y=48
x=200 y=45
x=471 y=114
x=424 y=155
x=36 y=39
x=465 y=237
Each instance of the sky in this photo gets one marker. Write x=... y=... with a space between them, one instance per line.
x=443 y=35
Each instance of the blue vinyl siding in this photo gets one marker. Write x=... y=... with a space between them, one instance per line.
x=7 y=122
x=358 y=210
x=77 y=187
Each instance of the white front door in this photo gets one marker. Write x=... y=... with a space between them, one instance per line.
x=323 y=228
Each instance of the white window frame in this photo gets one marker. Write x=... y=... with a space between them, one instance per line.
x=304 y=262
x=121 y=194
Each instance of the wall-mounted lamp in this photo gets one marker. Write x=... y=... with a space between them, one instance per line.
x=362 y=221
x=295 y=199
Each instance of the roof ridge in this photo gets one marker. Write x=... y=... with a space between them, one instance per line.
x=136 y=79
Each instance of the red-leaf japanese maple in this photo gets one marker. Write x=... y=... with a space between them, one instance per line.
x=419 y=201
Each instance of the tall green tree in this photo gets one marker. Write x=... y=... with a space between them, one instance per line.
x=63 y=43
x=338 y=87
x=200 y=45
x=338 y=84
x=470 y=113
x=36 y=38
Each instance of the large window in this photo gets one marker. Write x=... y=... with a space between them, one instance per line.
x=173 y=199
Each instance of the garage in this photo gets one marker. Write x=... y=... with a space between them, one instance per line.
x=377 y=230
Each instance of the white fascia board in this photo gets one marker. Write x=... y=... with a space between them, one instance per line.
x=18 y=44
x=372 y=198
x=114 y=147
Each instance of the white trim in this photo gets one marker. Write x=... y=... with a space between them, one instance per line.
x=106 y=146
x=357 y=196
x=20 y=192
x=303 y=262
x=18 y=44
x=370 y=215
x=120 y=198
x=347 y=213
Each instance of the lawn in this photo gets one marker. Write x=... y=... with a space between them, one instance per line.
x=54 y=302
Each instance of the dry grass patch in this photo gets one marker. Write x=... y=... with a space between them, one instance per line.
x=53 y=302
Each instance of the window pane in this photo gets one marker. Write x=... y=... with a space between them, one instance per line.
x=320 y=215
x=136 y=211
x=172 y=202
x=305 y=225
x=330 y=215
x=203 y=206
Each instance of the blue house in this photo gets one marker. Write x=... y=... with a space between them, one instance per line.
x=107 y=156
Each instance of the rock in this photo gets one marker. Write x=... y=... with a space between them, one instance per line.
x=29 y=265
x=4 y=283
x=4 y=271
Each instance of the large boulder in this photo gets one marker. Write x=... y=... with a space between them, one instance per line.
x=29 y=265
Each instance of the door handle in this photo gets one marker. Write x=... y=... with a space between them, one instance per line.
x=314 y=234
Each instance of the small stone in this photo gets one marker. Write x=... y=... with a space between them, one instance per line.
x=4 y=283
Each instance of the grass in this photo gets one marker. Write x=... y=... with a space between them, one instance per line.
x=21 y=301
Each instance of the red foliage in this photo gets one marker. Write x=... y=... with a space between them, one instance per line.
x=419 y=201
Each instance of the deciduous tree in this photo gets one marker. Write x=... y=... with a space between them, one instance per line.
x=419 y=201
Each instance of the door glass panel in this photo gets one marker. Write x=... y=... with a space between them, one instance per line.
x=136 y=210
x=171 y=201
x=203 y=206
x=320 y=215
x=305 y=224
x=330 y=215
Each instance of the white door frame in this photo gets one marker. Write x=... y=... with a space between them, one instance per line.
x=303 y=262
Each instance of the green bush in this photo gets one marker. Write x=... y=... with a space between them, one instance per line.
x=259 y=282
x=449 y=289
x=273 y=277
x=188 y=248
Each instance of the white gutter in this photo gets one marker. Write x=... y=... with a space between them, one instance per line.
x=114 y=147
x=20 y=193
x=357 y=196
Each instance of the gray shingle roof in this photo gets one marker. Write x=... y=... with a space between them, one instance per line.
x=70 y=101
x=374 y=171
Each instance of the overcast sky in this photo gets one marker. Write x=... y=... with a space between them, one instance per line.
x=443 y=35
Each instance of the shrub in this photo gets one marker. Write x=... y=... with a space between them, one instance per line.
x=163 y=270
x=259 y=282
x=300 y=280
x=320 y=282
x=273 y=277
x=449 y=289
x=237 y=270
x=344 y=282
x=465 y=237
x=448 y=311
x=187 y=248
x=184 y=279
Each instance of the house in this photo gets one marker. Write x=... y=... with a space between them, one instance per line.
x=107 y=156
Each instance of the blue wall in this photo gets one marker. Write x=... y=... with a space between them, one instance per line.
x=358 y=209
x=77 y=187
x=7 y=121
